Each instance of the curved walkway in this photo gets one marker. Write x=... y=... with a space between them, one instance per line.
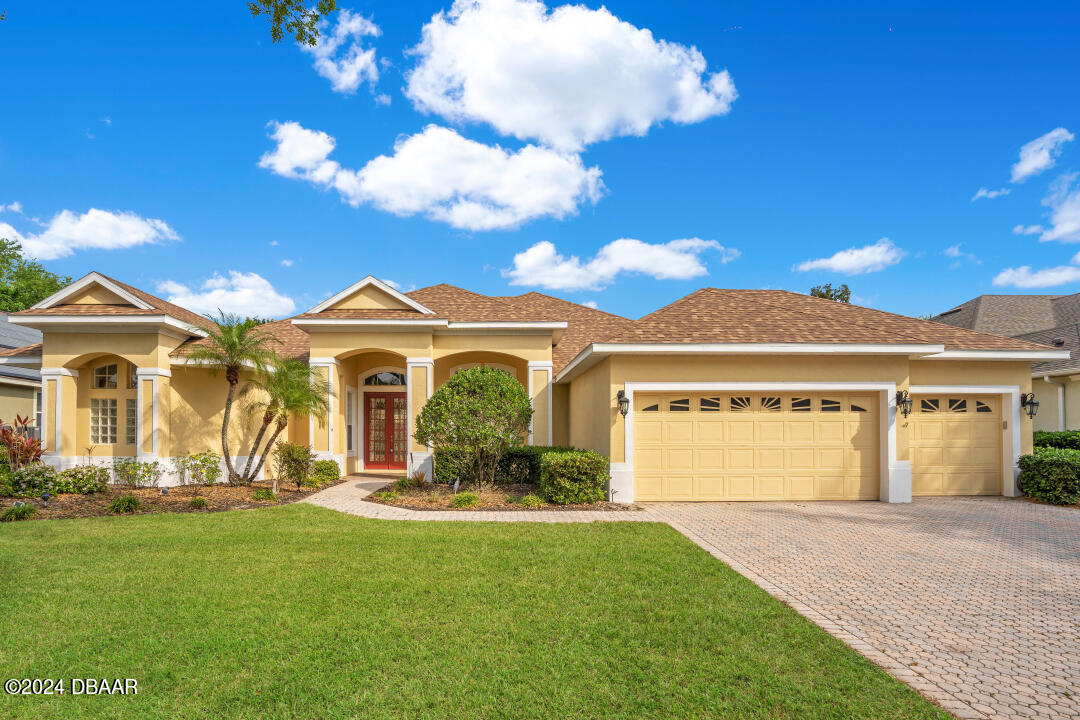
x=974 y=602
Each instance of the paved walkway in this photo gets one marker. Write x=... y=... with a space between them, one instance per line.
x=974 y=602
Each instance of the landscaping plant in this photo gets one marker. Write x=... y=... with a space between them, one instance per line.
x=324 y=472
x=465 y=500
x=124 y=504
x=480 y=411
x=32 y=480
x=264 y=494
x=574 y=478
x=292 y=462
x=198 y=502
x=136 y=473
x=204 y=467
x=1051 y=475
x=19 y=447
x=81 y=479
x=18 y=511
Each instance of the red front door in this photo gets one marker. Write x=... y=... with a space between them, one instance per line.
x=386 y=431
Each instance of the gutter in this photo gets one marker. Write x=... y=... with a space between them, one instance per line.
x=1062 y=423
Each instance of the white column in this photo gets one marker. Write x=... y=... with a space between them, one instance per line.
x=895 y=474
x=545 y=432
x=418 y=460
x=331 y=365
x=52 y=436
x=151 y=374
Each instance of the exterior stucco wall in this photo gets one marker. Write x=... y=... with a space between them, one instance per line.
x=197 y=407
x=16 y=400
x=560 y=414
x=592 y=412
x=1048 y=394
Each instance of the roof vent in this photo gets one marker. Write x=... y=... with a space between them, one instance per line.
x=1058 y=341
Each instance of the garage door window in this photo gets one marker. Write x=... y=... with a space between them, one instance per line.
x=655 y=407
x=957 y=405
x=770 y=404
x=981 y=407
x=830 y=405
x=710 y=404
x=680 y=405
x=857 y=408
x=929 y=405
x=800 y=405
x=739 y=403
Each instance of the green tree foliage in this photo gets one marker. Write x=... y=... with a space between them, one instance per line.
x=840 y=294
x=24 y=283
x=293 y=17
x=481 y=411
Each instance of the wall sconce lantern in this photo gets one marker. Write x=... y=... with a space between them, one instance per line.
x=624 y=403
x=1029 y=403
x=903 y=402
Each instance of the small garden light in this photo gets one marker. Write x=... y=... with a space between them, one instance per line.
x=624 y=403
x=1029 y=403
x=45 y=498
x=903 y=402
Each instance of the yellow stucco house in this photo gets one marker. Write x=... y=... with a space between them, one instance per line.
x=722 y=395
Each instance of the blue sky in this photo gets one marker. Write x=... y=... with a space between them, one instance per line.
x=133 y=141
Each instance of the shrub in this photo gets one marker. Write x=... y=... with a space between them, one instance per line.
x=18 y=511
x=324 y=472
x=264 y=494
x=32 y=480
x=385 y=495
x=522 y=464
x=133 y=473
x=530 y=501
x=204 y=467
x=82 y=479
x=293 y=462
x=465 y=500
x=198 y=502
x=573 y=478
x=19 y=448
x=451 y=463
x=482 y=411
x=1051 y=475
x=124 y=504
x=1069 y=439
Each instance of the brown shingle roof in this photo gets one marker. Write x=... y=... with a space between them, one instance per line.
x=370 y=314
x=92 y=310
x=459 y=305
x=291 y=340
x=33 y=350
x=182 y=314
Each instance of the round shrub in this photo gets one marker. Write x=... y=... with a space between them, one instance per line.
x=264 y=494
x=82 y=479
x=124 y=504
x=204 y=467
x=530 y=501
x=324 y=472
x=18 y=511
x=198 y=502
x=577 y=477
x=465 y=500
x=32 y=480
x=1051 y=475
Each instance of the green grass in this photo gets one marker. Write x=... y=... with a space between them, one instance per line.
x=301 y=612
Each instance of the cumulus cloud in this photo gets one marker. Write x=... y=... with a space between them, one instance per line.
x=857 y=261
x=1025 y=277
x=443 y=176
x=340 y=56
x=68 y=232
x=565 y=77
x=990 y=194
x=247 y=294
x=1027 y=229
x=1040 y=154
x=15 y=207
x=542 y=265
x=1064 y=204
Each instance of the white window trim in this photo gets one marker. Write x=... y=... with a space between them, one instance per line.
x=350 y=391
x=116 y=430
x=361 y=401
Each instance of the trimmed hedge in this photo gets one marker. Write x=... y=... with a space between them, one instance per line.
x=324 y=472
x=1051 y=475
x=519 y=464
x=1068 y=439
x=575 y=477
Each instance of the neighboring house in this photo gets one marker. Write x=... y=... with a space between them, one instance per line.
x=721 y=395
x=1052 y=320
x=20 y=382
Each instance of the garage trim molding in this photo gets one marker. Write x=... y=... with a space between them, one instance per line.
x=895 y=474
x=1010 y=433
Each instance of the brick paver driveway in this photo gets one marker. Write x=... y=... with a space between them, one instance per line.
x=979 y=598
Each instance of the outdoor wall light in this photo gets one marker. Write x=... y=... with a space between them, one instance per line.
x=624 y=403
x=903 y=402
x=45 y=498
x=1029 y=403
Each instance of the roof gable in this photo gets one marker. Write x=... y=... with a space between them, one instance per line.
x=370 y=294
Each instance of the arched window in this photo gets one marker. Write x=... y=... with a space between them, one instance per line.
x=386 y=377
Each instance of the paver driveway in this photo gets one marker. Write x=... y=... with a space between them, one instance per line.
x=979 y=598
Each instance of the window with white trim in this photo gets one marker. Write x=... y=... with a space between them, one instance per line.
x=131 y=420
x=105 y=377
x=133 y=376
x=37 y=408
x=103 y=421
x=385 y=378
x=350 y=414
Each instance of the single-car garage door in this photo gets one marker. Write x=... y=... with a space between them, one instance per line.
x=955 y=445
x=756 y=446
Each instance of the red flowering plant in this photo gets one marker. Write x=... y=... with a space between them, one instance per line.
x=19 y=444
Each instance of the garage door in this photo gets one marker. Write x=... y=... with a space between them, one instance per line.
x=955 y=445
x=756 y=446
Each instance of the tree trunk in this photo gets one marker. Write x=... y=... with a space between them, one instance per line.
x=267 y=449
x=248 y=476
x=233 y=376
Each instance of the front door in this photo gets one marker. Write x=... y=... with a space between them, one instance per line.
x=386 y=431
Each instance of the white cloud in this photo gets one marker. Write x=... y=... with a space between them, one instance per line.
x=954 y=251
x=542 y=265
x=1027 y=229
x=15 y=207
x=286 y=263
x=1024 y=277
x=566 y=77
x=273 y=243
x=856 y=261
x=443 y=176
x=1040 y=153
x=391 y=283
x=1064 y=204
x=67 y=233
x=591 y=304
x=241 y=293
x=340 y=56
x=990 y=194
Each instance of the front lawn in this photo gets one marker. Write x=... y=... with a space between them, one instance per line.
x=301 y=612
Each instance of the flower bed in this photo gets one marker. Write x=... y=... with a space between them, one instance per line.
x=431 y=496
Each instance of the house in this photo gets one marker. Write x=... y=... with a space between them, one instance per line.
x=1047 y=319
x=721 y=395
x=20 y=382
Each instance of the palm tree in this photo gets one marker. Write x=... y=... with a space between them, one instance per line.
x=289 y=387
x=232 y=344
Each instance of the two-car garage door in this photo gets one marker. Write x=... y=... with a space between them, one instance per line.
x=756 y=446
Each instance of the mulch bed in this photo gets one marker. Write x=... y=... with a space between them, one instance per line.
x=501 y=497
x=177 y=500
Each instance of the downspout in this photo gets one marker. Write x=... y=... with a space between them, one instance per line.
x=1062 y=424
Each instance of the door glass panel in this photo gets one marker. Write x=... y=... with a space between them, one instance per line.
x=376 y=430
x=399 y=441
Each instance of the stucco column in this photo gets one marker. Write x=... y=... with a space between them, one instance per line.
x=895 y=474
x=419 y=376
x=149 y=434
x=322 y=438
x=59 y=396
x=540 y=395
